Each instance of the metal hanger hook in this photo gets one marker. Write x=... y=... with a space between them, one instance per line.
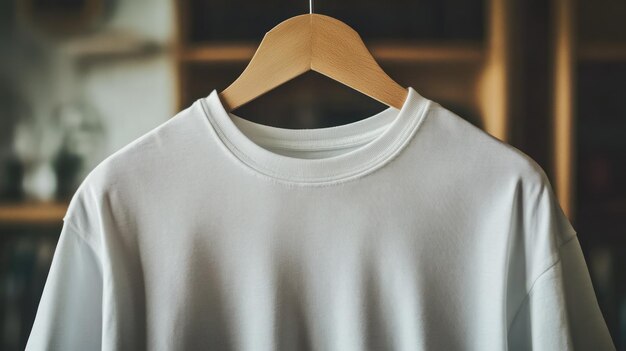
x=310 y=6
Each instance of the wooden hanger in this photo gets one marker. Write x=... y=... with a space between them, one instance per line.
x=312 y=42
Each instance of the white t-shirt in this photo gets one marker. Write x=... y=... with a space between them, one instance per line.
x=411 y=229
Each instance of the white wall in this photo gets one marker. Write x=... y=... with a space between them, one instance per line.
x=135 y=94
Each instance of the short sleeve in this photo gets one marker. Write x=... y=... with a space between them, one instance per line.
x=559 y=308
x=561 y=311
x=69 y=315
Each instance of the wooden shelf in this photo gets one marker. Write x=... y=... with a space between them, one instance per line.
x=27 y=213
x=111 y=45
x=383 y=51
x=602 y=52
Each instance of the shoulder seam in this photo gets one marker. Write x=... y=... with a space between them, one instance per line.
x=532 y=286
x=76 y=231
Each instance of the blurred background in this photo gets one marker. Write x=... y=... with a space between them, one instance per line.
x=79 y=79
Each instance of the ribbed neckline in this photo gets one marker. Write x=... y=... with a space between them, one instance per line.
x=387 y=131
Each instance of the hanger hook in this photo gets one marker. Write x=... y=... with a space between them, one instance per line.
x=310 y=6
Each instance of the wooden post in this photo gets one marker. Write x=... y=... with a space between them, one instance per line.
x=564 y=69
x=494 y=86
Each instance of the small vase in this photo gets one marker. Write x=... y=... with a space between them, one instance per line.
x=40 y=181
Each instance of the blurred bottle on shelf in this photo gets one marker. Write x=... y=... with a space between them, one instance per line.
x=83 y=143
x=36 y=142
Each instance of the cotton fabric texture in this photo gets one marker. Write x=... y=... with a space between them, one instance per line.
x=411 y=229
